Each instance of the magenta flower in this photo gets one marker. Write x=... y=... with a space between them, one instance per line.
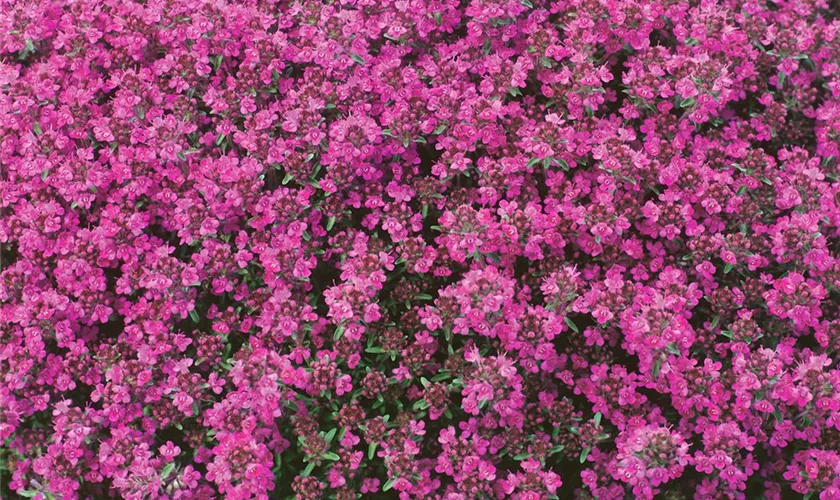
x=438 y=249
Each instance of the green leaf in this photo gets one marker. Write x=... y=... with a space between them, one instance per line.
x=27 y=493
x=598 y=419
x=422 y=296
x=330 y=435
x=194 y=316
x=216 y=61
x=308 y=470
x=220 y=139
x=781 y=79
x=715 y=322
x=687 y=103
x=585 y=453
x=425 y=382
x=358 y=59
x=522 y=456
x=673 y=349
x=331 y=456
x=420 y=404
x=372 y=450
x=167 y=470
x=375 y=350
x=527 y=3
x=728 y=268
x=330 y=222
x=339 y=331
x=389 y=484
x=657 y=365
x=45 y=174
x=571 y=324
x=36 y=127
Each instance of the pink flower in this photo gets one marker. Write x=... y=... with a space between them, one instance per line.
x=169 y=450
x=184 y=403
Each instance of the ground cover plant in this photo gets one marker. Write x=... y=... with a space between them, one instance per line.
x=419 y=249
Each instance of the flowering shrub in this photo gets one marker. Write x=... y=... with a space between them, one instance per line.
x=445 y=249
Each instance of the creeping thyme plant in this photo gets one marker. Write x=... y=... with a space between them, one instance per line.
x=419 y=249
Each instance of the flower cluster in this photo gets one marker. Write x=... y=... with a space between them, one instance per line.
x=445 y=249
x=649 y=456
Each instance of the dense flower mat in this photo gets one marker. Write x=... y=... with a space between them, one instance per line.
x=426 y=249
